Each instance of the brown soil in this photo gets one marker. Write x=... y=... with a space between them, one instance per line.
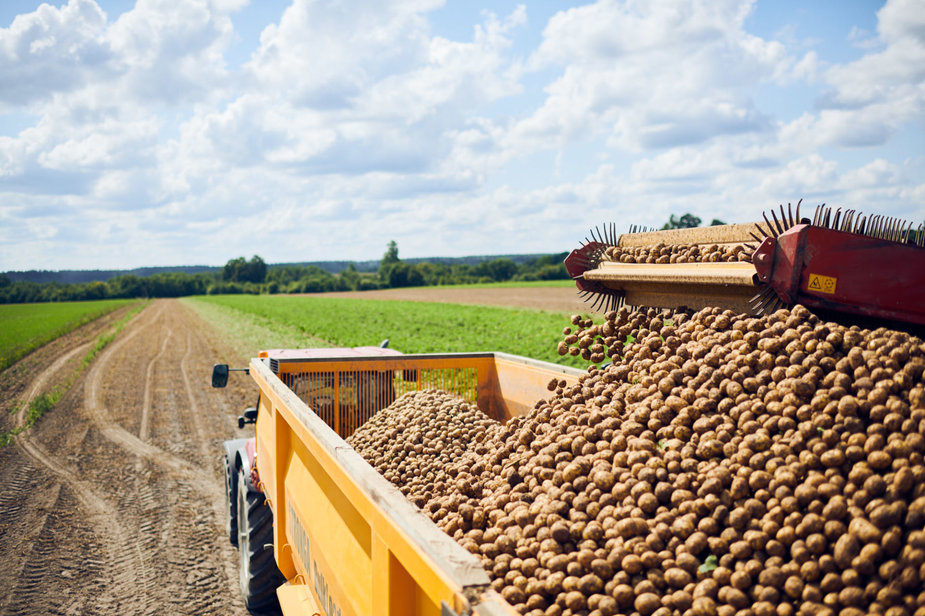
x=550 y=299
x=113 y=503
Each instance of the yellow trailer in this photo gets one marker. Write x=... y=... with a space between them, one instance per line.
x=318 y=525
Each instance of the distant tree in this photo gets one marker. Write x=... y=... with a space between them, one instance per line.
x=239 y=270
x=233 y=269
x=496 y=269
x=404 y=275
x=350 y=278
x=391 y=254
x=388 y=262
x=716 y=222
x=5 y=281
x=687 y=221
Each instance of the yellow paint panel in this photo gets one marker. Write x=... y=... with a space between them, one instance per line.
x=821 y=284
x=341 y=567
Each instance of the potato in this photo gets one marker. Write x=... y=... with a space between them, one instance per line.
x=721 y=464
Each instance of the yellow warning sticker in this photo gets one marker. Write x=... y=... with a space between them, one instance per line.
x=821 y=284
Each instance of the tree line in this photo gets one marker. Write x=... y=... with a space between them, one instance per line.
x=254 y=276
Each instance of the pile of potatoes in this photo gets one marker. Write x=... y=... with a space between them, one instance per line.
x=685 y=253
x=413 y=441
x=721 y=464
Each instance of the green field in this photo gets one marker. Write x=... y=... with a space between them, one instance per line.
x=411 y=327
x=25 y=327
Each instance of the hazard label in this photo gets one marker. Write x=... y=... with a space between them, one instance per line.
x=821 y=284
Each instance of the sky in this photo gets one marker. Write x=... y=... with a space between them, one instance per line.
x=164 y=133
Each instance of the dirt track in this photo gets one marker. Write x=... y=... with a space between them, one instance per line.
x=112 y=503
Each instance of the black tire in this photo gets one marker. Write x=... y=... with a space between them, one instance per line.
x=259 y=575
x=231 y=500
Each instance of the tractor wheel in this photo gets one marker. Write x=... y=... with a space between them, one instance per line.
x=231 y=501
x=260 y=576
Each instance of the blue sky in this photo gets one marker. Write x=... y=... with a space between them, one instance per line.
x=161 y=133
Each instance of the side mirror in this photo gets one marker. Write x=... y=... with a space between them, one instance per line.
x=219 y=375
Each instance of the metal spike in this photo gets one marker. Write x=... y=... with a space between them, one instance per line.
x=757 y=239
x=780 y=228
x=837 y=218
x=827 y=218
x=798 y=210
x=860 y=225
x=849 y=219
x=789 y=214
x=763 y=232
x=772 y=234
x=816 y=216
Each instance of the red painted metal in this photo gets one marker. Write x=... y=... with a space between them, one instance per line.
x=847 y=272
x=581 y=260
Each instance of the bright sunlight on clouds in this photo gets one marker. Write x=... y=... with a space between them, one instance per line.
x=178 y=133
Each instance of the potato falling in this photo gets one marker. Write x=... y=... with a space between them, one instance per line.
x=721 y=464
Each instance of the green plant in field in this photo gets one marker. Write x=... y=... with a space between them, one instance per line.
x=411 y=327
x=26 y=327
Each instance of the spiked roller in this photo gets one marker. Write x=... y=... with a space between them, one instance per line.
x=841 y=261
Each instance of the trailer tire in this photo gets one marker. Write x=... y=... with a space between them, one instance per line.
x=259 y=575
x=231 y=500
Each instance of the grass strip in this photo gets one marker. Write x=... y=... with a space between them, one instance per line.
x=45 y=401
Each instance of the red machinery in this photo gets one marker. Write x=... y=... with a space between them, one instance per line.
x=867 y=266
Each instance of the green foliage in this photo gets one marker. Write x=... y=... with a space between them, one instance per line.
x=709 y=564
x=687 y=221
x=239 y=270
x=412 y=327
x=25 y=327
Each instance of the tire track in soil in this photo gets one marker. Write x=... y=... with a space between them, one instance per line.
x=42 y=380
x=95 y=406
x=124 y=555
x=149 y=375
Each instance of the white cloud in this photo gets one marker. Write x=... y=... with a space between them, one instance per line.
x=652 y=75
x=357 y=122
x=51 y=50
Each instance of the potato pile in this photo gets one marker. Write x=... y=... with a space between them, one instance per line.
x=413 y=441
x=721 y=465
x=686 y=253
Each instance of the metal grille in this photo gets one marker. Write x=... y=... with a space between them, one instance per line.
x=346 y=399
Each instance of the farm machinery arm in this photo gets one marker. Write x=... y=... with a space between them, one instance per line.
x=868 y=266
